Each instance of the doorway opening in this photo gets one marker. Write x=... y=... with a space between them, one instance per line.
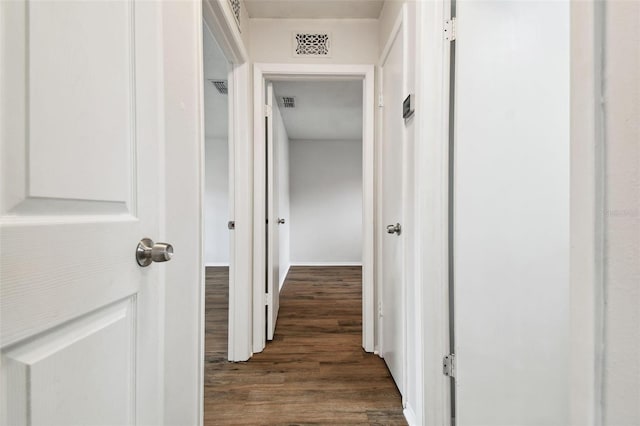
x=313 y=176
x=218 y=198
x=316 y=223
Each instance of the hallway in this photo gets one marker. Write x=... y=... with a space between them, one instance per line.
x=314 y=371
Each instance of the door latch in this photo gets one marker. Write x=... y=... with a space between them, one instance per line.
x=394 y=229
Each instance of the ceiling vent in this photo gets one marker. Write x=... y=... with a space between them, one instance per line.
x=312 y=44
x=221 y=86
x=235 y=6
x=288 y=101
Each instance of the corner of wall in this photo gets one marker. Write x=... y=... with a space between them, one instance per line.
x=387 y=19
x=245 y=27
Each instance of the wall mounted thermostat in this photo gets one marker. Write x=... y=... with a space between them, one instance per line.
x=408 y=107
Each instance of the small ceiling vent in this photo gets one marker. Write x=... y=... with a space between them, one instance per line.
x=311 y=44
x=235 y=6
x=288 y=101
x=221 y=86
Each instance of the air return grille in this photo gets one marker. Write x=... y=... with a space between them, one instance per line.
x=221 y=85
x=288 y=102
x=235 y=6
x=312 y=44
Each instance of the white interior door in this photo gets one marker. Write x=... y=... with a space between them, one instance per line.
x=273 y=244
x=81 y=321
x=511 y=243
x=392 y=213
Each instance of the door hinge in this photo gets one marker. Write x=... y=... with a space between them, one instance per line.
x=450 y=29
x=380 y=309
x=231 y=225
x=449 y=365
x=380 y=101
x=267 y=110
x=266 y=299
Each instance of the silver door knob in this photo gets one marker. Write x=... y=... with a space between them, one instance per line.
x=394 y=229
x=148 y=252
x=280 y=221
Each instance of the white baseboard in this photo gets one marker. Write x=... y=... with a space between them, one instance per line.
x=216 y=264
x=284 y=277
x=410 y=416
x=326 y=263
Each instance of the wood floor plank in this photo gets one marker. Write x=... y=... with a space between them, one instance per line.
x=313 y=372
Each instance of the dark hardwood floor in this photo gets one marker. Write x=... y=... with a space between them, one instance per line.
x=216 y=315
x=313 y=372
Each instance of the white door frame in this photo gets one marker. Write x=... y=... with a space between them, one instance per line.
x=220 y=21
x=587 y=213
x=432 y=211
x=264 y=72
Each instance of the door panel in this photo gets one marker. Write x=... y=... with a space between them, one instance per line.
x=48 y=363
x=81 y=137
x=273 y=242
x=511 y=242
x=392 y=190
x=80 y=106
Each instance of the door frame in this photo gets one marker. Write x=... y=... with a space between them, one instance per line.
x=432 y=81
x=587 y=213
x=263 y=72
x=220 y=21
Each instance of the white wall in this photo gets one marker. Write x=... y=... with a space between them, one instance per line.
x=621 y=390
x=281 y=146
x=354 y=41
x=326 y=202
x=216 y=202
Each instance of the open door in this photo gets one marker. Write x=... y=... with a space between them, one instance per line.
x=511 y=226
x=86 y=148
x=273 y=243
x=393 y=344
x=81 y=302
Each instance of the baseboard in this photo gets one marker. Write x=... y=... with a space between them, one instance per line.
x=284 y=277
x=326 y=263
x=410 y=416
x=217 y=264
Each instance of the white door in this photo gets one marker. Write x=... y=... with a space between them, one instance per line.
x=511 y=243
x=273 y=243
x=392 y=243
x=81 y=321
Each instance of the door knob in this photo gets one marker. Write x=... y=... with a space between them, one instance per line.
x=148 y=252
x=394 y=229
x=280 y=221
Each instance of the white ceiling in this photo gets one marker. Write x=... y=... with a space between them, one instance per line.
x=314 y=9
x=325 y=110
x=216 y=110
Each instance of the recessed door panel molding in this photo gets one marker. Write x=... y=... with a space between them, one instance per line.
x=65 y=376
x=68 y=117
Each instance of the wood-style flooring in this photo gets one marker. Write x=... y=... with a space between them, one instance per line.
x=313 y=372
